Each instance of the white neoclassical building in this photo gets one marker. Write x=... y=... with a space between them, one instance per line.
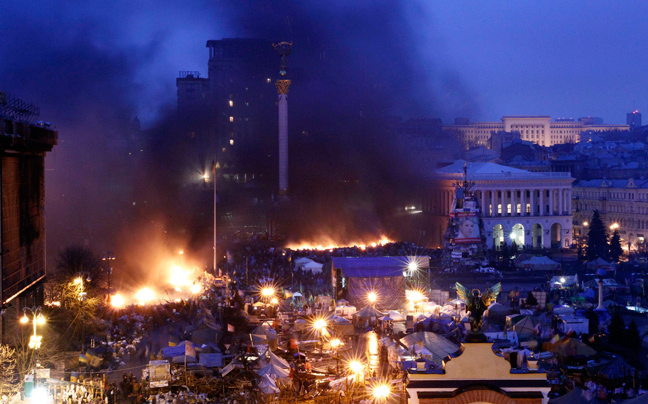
x=532 y=209
x=539 y=129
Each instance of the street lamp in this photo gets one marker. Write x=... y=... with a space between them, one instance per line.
x=109 y=256
x=335 y=344
x=381 y=392
x=372 y=297
x=37 y=319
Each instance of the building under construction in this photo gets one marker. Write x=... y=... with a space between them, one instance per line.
x=23 y=145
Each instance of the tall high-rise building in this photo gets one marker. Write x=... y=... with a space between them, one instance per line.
x=23 y=146
x=232 y=115
x=235 y=105
x=633 y=119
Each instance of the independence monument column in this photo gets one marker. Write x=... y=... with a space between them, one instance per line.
x=283 y=84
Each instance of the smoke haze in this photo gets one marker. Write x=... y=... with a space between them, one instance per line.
x=93 y=67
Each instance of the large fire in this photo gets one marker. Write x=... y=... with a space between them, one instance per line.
x=328 y=243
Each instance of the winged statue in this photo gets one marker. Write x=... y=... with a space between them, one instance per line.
x=477 y=303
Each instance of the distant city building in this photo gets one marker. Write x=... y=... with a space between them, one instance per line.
x=532 y=209
x=538 y=129
x=234 y=103
x=633 y=119
x=620 y=202
x=23 y=145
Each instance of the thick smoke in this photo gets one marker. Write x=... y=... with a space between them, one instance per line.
x=93 y=67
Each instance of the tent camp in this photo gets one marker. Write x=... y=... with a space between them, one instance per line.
x=185 y=350
x=273 y=371
x=526 y=328
x=439 y=346
x=308 y=265
x=268 y=386
x=539 y=264
x=368 y=313
x=600 y=263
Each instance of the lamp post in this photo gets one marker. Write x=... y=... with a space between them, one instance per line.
x=37 y=318
x=109 y=256
x=335 y=344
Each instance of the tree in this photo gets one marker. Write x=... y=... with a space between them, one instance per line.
x=593 y=318
x=9 y=381
x=616 y=329
x=79 y=261
x=531 y=299
x=615 y=246
x=633 y=340
x=597 y=239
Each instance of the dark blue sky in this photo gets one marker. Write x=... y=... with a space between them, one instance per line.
x=464 y=58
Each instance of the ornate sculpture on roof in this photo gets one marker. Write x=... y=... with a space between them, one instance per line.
x=477 y=303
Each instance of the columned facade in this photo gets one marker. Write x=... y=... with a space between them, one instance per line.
x=528 y=208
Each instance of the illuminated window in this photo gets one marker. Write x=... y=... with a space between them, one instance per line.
x=224 y=149
x=231 y=119
x=231 y=103
x=231 y=142
x=268 y=80
x=528 y=208
x=490 y=210
x=518 y=208
x=508 y=208
x=499 y=208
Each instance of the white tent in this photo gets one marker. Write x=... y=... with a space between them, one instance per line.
x=308 y=265
x=276 y=360
x=273 y=371
x=267 y=385
x=396 y=316
x=539 y=264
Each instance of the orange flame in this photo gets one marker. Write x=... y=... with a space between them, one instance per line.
x=331 y=244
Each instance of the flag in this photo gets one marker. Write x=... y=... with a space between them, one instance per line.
x=213 y=166
x=230 y=328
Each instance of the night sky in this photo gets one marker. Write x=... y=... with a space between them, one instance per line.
x=91 y=66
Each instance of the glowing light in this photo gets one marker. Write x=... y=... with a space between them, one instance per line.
x=40 y=320
x=562 y=280
x=614 y=226
x=179 y=277
x=372 y=297
x=585 y=224
x=415 y=295
x=412 y=266
x=35 y=341
x=196 y=288
x=356 y=366
x=267 y=292
x=145 y=295
x=40 y=395
x=319 y=324
x=331 y=244
x=382 y=391
x=335 y=343
x=117 y=301
x=274 y=301
x=78 y=281
x=24 y=319
x=181 y=251
x=205 y=176
x=231 y=103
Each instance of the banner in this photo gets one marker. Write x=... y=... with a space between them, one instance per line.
x=466 y=228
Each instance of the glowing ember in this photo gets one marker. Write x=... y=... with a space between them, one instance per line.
x=117 y=301
x=331 y=244
x=145 y=295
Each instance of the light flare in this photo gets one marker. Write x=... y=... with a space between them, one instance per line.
x=117 y=301
x=145 y=295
